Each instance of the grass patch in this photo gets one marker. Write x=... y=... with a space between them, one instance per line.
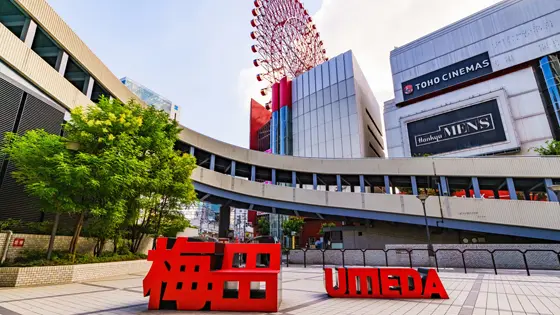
x=38 y=258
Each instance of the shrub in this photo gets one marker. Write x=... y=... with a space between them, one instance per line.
x=35 y=258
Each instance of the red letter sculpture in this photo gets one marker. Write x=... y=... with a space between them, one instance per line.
x=219 y=277
x=390 y=283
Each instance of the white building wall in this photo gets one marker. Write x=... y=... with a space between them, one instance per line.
x=513 y=32
x=520 y=104
x=328 y=111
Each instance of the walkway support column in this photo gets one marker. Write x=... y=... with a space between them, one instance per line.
x=387 y=185
x=511 y=188
x=414 y=185
x=225 y=211
x=476 y=188
x=362 y=184
x=551 y=195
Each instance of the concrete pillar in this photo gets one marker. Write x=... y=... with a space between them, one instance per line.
x=511 y=188
x=414 y=185
x=551 y=195
x=88 y=86
x=273 y=177
x=314 y=181
x=28 y=33
x=232 y=171
x=61 y=62
x=476 y=187
x=253 y=173
x=387 y=184
x=338 y=183
x=294 y=179
x=212 y=162
x=362 y=184
x=223 y=228
x=496 y=194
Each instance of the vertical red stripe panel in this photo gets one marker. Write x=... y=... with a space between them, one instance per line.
x=284 y=93
x=275 y=97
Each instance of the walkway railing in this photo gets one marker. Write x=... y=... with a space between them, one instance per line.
x=442 y=258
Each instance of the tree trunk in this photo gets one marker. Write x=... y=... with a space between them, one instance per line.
x=76 y=236
x=98 y=250
x=53 y=235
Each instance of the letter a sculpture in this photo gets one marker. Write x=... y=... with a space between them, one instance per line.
x=195 y=276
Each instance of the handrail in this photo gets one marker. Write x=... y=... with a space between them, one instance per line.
x=435 y=252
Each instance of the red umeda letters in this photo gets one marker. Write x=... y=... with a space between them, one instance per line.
x=340 y=290
x=368 y=281
x=434 y=286
x=389 y=283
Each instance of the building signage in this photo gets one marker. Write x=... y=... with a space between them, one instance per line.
x=460 y=129
x=454 y=74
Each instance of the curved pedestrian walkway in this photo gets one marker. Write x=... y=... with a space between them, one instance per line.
x=304 y=293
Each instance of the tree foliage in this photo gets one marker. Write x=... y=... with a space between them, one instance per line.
x=263 y=225
x=116 y=169
x=324 y=225
x=551 y=147
x=293 y=224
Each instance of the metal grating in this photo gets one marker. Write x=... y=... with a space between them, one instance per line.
x=38 y=114
x=14 y=201
x=10 y=98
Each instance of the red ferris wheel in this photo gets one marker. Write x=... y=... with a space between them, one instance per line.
x=288 y=43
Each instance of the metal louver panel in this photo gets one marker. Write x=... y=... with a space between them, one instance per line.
x=39 y=115
x=14 y=201
x=10 y=99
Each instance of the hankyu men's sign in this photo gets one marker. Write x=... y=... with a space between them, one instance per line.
x=464 y=128
x=454 y=74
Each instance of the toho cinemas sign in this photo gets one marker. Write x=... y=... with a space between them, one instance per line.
x=454 y=74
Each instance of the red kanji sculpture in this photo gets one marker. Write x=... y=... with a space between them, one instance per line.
x=219 y=277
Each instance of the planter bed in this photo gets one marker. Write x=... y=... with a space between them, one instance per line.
x=47 y=275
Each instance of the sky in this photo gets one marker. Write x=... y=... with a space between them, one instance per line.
x=197 y=53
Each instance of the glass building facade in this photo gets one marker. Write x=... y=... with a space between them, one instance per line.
x=550 y=90
x=325 y=112
x=150 y=97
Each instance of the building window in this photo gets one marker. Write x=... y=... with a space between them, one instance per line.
x=549 y=77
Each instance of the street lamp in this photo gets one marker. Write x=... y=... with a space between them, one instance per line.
x=555 y=189
x=422 y=198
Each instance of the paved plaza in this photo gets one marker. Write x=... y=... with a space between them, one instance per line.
x=479 y=293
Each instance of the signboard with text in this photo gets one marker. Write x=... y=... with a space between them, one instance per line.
x=454 y=74
x=460 y=129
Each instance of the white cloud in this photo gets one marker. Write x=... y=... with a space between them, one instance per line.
x=372 y=28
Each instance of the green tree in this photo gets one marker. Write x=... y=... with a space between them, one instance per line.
x=173 y=223
x=263 y=225
x=165 y=185
x=324 y=225
x=106 y=157
x=551 y=147
x=45 y=168
x=293 y=224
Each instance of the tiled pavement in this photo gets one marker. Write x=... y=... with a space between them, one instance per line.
x=304 y=293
